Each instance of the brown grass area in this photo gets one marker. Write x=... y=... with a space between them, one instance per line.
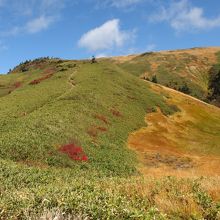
x=193 y=64
x=185 y=144
x=174 y=195
x=208 y=52
x=122 y=59
x=154 y=66
x=196 y=70
x=93 y=131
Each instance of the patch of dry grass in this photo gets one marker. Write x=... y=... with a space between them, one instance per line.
x=193 y=133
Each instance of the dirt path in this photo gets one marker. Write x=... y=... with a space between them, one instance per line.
x=71 y=82
x=70 y=79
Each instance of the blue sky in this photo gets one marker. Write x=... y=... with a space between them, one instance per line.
x=75 y=29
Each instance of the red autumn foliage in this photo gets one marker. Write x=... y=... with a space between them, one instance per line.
x=38 y=65
x=39 y=80
x=49 y=70
x=102 y=118
x=103 y=129
x=17 y=85
x=74 y=152
x=116 y=113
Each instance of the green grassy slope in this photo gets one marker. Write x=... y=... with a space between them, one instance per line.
x=37 y=119
x=34 y=193
x=95 y=106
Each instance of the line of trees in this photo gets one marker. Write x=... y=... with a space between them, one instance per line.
x=214 y=83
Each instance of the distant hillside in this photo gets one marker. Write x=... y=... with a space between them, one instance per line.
x=185 y=70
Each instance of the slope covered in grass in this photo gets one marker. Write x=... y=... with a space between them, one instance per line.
x=184 y=70
x=60 y=111
x=95 y=106
x=34 y=193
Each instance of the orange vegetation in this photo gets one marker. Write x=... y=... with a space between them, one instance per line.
x=184 y=144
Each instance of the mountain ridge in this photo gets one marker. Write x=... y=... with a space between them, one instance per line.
x=188 y=70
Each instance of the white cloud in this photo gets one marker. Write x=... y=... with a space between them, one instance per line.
x=12 y=32
x=118 y=3
x=32 y=7
x=33 y=15
x=182 y=16
x=31 y=27
x=105 y=37
x=124 y=3
x=52 y=4
x=151 y=47
x=39 y=24
x=3 y=46
x=101 y=55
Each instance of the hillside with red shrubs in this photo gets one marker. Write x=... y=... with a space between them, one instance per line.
x=39 y=80
x=74 y=152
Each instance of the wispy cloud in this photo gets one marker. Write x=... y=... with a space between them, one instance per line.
x=33 y=15
x=3 y=46
x=151 y=47
x=106 y=37
x=1 y=3
x=124 y=3
x=31 y=27
x=183 y=16
x=39 y=24
x=101 y=55
x=118 y=3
